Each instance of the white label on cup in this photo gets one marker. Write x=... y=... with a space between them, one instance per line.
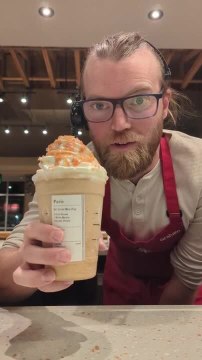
x=68 y=214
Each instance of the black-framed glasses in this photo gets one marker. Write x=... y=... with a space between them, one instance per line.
x=141 y=106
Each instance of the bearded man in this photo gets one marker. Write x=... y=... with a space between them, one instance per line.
x=153 y=201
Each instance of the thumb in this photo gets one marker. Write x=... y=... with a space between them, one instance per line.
x=102 y=245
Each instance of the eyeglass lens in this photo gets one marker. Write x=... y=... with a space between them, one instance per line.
x=136 y=107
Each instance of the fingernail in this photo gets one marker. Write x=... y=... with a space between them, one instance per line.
x=63 y=256
x=57 y=235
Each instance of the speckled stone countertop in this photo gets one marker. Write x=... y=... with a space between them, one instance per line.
x=101 y=333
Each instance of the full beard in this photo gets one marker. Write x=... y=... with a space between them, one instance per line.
x=130 y=164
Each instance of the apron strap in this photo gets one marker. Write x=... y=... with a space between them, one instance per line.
x=169 y=183
x=106 y=212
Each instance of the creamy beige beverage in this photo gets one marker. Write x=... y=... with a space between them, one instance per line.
x=70 y=186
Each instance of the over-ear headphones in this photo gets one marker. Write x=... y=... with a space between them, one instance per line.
x=77 y=117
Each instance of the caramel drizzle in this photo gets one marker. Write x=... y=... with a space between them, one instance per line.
x=70 y=151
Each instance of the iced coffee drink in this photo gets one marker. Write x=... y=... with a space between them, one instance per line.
x=70 y=186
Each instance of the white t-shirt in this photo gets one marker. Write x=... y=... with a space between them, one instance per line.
x=141 y=209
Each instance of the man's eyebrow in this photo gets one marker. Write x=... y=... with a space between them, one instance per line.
x=96 y=97
x=140 y=90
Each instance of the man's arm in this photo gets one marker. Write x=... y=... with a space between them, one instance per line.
x=23 y=259
x=186 y=259
x=176 y=293
x=10 y=259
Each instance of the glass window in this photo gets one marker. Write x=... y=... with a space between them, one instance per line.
x=2 y=211
x=11 y=204
x=15 y=211
x=16 y=188
x=3 y=187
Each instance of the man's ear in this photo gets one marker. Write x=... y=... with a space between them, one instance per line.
x=166 y=101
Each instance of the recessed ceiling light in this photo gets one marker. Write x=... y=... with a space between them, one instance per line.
x=23 y=99
x=44 y=131
x=155 y=14
x=1 y=99
x=7 y=130
x=46 y=11
x=26 y=131
x=69 y=101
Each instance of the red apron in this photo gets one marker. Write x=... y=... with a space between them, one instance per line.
x=137 y=271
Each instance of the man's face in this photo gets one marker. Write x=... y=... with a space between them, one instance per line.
x=126 y=147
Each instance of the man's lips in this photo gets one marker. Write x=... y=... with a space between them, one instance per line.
x=123 y=146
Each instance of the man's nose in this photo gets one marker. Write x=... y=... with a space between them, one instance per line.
x=120 y=120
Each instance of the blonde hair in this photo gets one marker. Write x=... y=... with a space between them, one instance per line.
x=121 y=45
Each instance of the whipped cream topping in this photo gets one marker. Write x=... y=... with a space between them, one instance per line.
x=67 y=156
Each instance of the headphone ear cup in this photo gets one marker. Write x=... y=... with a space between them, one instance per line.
x=167 y=74
x=76 y=114
x=77 y=117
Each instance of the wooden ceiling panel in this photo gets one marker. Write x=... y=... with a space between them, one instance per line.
x=49 y=68
x=60 y=68
x=77 y=60
x=19 y=67
x=192 y=71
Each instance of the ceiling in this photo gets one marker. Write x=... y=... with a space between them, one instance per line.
x=80 y=23
x=43 y=58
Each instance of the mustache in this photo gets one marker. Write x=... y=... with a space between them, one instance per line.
x=124 y=138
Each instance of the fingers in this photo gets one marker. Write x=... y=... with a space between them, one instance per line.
x=102 y=246
x=32 y=271
x=42 y=279
x=45 y=256
x=43 y=232
x=56 y=286
x=49 y=235
x=24 y=276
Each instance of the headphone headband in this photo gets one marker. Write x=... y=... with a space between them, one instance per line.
x=167 y=71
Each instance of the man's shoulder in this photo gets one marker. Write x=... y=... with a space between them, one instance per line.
x=186 y=153
x=183 y=142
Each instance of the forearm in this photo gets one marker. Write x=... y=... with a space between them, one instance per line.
x=10 y=259
x=176 y=293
